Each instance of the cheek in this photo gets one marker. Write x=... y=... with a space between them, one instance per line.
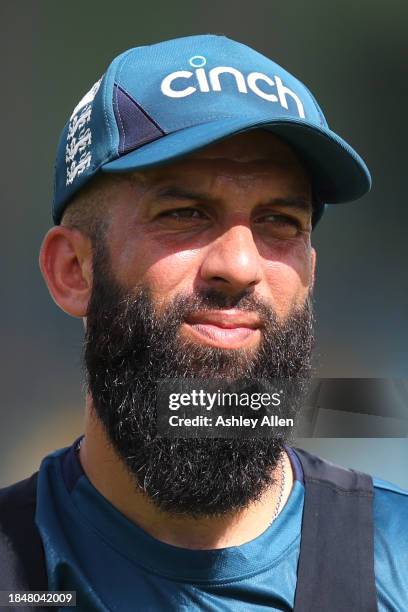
x=151 y=265
x=289 y=278
x=172 y=274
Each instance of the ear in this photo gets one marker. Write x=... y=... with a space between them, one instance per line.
x=66 y=265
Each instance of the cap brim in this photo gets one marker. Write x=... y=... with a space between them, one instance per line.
x=338 y=172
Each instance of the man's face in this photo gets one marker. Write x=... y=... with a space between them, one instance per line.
x=234 y=217
x=205 y=271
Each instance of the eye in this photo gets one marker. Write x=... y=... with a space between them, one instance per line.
x=280 y=226
x=183 y=214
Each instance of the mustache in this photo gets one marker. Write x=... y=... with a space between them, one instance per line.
x=186 y=305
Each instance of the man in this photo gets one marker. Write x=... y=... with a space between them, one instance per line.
x=188 y=181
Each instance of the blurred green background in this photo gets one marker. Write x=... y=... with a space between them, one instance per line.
x=352 y=55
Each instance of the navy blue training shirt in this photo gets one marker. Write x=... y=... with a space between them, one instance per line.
x=112 y=564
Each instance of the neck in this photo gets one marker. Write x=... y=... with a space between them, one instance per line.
x=109 y=476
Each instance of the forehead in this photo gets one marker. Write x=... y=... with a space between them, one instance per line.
x=254 y=145
x=256 y=157
x=256 y=164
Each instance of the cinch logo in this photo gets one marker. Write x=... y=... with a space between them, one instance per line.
x=210 y=81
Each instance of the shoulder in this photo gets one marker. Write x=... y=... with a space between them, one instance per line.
x=390 y=529
x=386 y=492
x=21 y=556
x=390 y=513
x=17 y=508
x=22 y=492
x=19 y=489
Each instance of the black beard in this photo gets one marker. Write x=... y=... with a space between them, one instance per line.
x=128 y=348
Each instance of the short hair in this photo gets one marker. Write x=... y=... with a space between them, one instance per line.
x=89 y=209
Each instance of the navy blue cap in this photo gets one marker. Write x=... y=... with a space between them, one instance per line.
x=157 y=103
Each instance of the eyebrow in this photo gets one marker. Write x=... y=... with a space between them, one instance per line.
x=180 y=193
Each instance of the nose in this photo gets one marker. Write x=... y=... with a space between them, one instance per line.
x=232 y=262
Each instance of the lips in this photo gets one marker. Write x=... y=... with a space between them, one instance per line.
x=224 y=328
x=227 y=319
